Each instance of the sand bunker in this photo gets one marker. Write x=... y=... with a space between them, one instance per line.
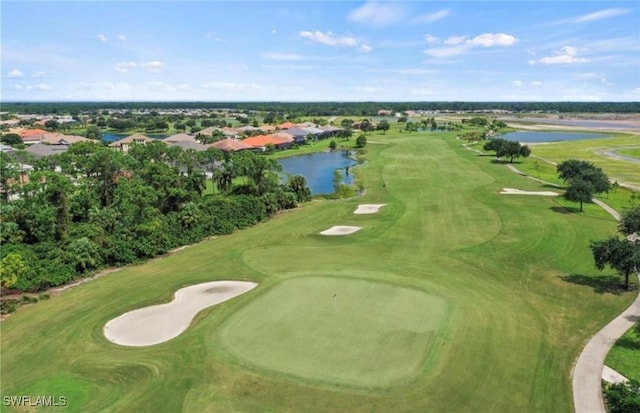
x=158 y=323
x=368 y=208
x=341 y=230
x=512 y=191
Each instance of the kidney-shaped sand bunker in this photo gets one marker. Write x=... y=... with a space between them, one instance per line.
x=158 y=323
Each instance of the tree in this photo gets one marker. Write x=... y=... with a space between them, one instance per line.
x=505 y=148
x=52 y=124
x=584 y=179
x=11 y=139
x=622 y=255
x=361 y=141
x=630 y=222
x=346 y=123
x=333 y=145
x=579 y=191
x=12 y=267
x=383 y=125
x=93 y=132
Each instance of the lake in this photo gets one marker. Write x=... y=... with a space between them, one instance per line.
x=549 y=136
x=318 y=169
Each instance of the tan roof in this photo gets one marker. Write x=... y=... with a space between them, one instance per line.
x=230 y=145
x=136 y=137
x=180 y=137
x=54 y=138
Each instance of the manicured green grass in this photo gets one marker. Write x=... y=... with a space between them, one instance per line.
x=515 y=273
x=337 y=330
x=630 y=152
x=588 y=150
x=624 y=356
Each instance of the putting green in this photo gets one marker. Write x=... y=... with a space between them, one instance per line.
x=370 y=334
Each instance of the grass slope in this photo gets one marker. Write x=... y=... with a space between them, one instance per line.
x=522 y=298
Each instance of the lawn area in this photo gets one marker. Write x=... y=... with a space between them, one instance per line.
x=452 y=298
x=624 y=356
x=635 y=152
x=590 y=150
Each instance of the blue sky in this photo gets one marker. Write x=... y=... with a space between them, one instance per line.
x=327 y=51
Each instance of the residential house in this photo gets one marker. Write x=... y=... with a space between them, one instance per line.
x=230 y=144
x=125 y=143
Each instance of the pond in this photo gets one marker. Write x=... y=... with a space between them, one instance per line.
x=549 y=136
x=318 y=169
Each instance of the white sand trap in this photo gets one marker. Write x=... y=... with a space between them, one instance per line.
x=158 y=323
x=341 y=230
x=513 y=191
x=368 y=208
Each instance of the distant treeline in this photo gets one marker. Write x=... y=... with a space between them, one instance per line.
x=326 y=108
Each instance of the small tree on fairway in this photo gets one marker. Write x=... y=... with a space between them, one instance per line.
x=383 y=126
x=361 y=141
x=579 y=191
x=505 y=148
x=622 y=255
x=584 y=179
x=333 y=145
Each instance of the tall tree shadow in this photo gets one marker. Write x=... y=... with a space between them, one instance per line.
x=564 y=210
x=601 y=284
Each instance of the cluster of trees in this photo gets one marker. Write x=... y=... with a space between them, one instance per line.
x=584 y=180
x=107 y=208
x=509 y=149
x=294 y=109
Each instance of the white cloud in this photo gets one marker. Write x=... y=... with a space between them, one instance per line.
x=40 y=87
x=102 y=37
x=445 y=52
x=39 y=74
x=536 y=83
x=122 y=37
x=566 y=55
x=15 y=74
x=120 y=86
x=456 y=45
x=274 y=31
x=454 y=40
x=292 y=57
x=153 y=67
x=377 y=14
x=329 y=39
x=431 y=39
x=17 y=87
x=492 y=39
x=517 y=83
x=231 y=86
x=124 y=67
x=431 y=17
x=365 y=48
x=599 y=15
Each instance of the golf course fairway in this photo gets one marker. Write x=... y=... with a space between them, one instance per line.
x=452 y=298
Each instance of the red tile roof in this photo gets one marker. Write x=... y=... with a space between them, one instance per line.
x=260 y=141
x=230 y=145
x=287 y=125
